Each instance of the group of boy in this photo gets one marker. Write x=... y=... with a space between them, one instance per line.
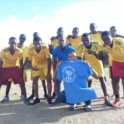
x=94 y=47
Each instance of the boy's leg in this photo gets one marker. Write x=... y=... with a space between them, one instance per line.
x=6 y=97
x=58 y=87
x=87 y=106
x=35 y=87
x=89 y=81
x=99 y=69
x=123 y=86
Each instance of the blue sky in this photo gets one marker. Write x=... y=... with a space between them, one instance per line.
x=46 y=16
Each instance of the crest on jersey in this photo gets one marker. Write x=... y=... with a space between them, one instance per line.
x=69 y=74
x=118 y=42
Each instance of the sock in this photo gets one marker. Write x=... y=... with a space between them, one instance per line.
x=45 y=92
x=117 y=96
x=106 y=97
x=32 y=92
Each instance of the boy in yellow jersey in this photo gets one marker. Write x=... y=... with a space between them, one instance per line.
x=114 y=35
x=42 y=77
x=41 y=64
x=115 y=47
x=52 y=46
x=75 y=40
x=9 y=66
x=22 y=39
x=88 y=48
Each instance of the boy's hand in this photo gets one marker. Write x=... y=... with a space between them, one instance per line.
x=59 y=63
x=86 y=62
x=52 y=38
x=90 y=51
x=34 y=68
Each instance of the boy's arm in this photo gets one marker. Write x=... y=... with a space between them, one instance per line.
x=55 y=63
x=117 y=35
x=95 y=75
x=26 y=61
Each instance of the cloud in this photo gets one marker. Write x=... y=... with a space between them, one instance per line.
x=104 y=14
x=33 y=9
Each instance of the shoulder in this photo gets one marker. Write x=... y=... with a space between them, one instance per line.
x=118 y=40
x=56 y=49
x=80 y=46
x=96 y=43
x=31 y=48
x=5 y=49
x=31 y=45
x=44 y=47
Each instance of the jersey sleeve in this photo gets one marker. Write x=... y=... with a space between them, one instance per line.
x=67 y=41
x=59 y=73
x=47 y=53
x=79 y=51
x=1 y=55
x=29 y=55
x=52 y=43
x=20 y=55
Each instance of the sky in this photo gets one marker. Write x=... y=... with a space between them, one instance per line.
x=46 y=16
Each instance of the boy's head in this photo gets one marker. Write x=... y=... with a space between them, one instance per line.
x=61 y=41
x=12 y=43
x=72 y=56
x=37 y=41
x=93 y=27
x=60 y=31
x=86 y=39
x=106 y=37
x=113 y=31
x=22 y=38
x=35 y=34
x=75 y=31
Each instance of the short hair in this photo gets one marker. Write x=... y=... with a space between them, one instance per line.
x=35 y=33
x=85 y=35
x=112 y=27
x=71 y=52
x=22 y=35
x=37 y=39
x=12 y=38
x=104 y=33
x=59 y=29
x=92 y=24
x=62 y=37
x=75 y=28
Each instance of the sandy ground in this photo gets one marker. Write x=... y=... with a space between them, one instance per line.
x=15 y=112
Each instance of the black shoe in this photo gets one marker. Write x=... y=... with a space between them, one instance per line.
x=56 y=102
x=107 y=102
x=36 y=101
x=45 y=96
x=53 y=96
x=49 y=101
x=31 y=97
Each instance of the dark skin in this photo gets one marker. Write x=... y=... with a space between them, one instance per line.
x=37 y=45
x=113 y=33
x=62 y=44
x=87 y=43
x=75 y=33
x=12 y=49
x=22 y=39
x=60 y=32
x=36 y=34
x=108 y=41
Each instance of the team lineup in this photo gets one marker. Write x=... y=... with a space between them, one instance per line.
x=74 y=60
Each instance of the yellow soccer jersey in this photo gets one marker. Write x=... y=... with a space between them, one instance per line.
x=117 y=51
x=54 y=43
x=95 y=46
x=74 y=42
x=25 y=52
x=39 y=59
x=10 y=60
x=96 y=37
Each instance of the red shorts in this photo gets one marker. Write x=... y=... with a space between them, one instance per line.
x=118 y=69
x=13 y=73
